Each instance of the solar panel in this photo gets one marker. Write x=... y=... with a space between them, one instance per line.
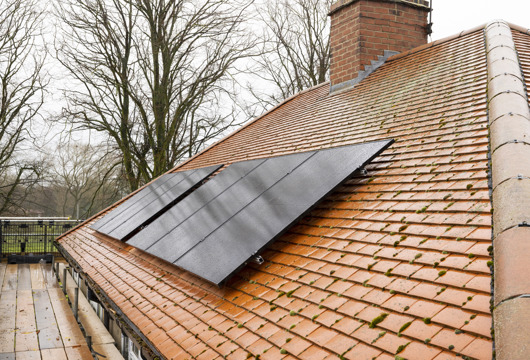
x=224 y=206
x=137 y=197
x=216 y=229
x=193 y=203
x=150 y=202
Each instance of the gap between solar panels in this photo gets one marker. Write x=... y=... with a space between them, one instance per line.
x=212 y=226
x=150 y=202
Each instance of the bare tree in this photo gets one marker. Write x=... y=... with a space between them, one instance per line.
x=87 y=176
x=81 y=179
x=22 y=84
x=295 y=48
x=155 y=75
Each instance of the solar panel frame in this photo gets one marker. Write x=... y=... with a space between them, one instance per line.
x=171 y=193
x=135 y=204
x=193 y=203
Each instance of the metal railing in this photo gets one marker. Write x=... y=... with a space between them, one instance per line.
x=32 y=235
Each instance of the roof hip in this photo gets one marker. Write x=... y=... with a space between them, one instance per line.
x=509 y=120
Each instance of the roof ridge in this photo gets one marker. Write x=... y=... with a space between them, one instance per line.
x=509 y=121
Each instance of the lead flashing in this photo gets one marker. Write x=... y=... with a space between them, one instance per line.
x=363 y=74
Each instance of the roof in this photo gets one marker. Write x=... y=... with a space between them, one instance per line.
x=395 y=262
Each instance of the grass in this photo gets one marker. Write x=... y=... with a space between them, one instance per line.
x=31 y=247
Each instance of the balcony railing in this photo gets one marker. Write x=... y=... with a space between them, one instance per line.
x=24 y=236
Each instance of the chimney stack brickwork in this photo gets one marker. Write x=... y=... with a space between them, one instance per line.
x=361 y=30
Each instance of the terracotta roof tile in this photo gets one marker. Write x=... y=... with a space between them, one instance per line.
x=479 y=349
x=410 y=239
x=479 y=325
x=420 y=351
x=480 y=283
x=395 y=322
x=347 y=325
x=296 y=346
x=447 y=356
x=418 y=329
x=367 y=335
x=385 y=357
x=389 y=342
x=362 y=352
x=315 y=353
x=305 y=327
x=238 y=354
x=425 y=309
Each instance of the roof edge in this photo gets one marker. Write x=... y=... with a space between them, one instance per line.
x=509 y=120
x=109 y=304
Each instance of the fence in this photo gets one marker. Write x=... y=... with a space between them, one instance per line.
x=31 y=236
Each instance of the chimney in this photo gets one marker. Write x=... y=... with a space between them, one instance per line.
x=364 y=33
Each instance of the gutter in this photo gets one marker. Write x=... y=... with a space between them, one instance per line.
x=509 y=125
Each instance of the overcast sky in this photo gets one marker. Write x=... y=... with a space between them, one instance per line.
x=453 y=16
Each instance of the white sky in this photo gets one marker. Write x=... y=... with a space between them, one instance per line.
x=453 y=16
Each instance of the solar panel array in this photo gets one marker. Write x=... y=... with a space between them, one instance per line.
x=150 y=202
x=218 y=227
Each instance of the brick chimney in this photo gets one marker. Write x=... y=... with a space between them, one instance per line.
x=365 y=32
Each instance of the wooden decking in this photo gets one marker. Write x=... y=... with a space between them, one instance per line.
x=102 y=341
x=36 y=321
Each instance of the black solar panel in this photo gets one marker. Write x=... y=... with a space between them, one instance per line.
x=150 y=202
x=137 y=197
x=221 y=225
x=176 y=217
x=225 y=205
